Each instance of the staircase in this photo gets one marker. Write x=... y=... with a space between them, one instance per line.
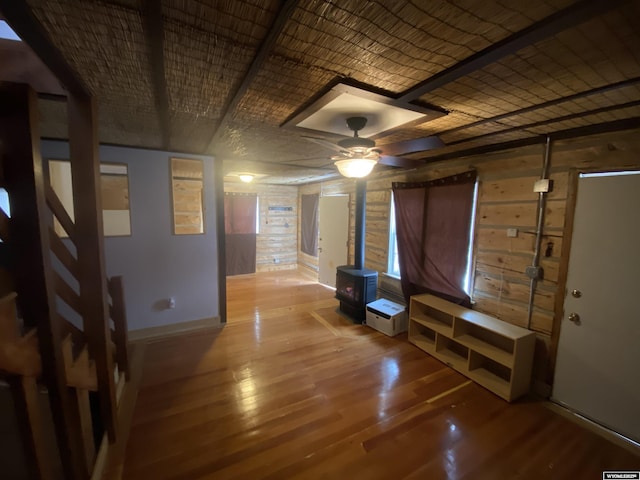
x=45 y=282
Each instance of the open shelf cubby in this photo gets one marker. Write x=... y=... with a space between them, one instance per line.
x=423 y=336
x=488 y=342
x=451 y=352
x=493 y=353
x=432 y=317
x=489 y=373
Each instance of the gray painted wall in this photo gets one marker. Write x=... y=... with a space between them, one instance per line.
x=155 y=263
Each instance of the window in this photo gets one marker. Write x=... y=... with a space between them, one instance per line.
x=187 y=187
x=393 y=267
x=468 y=279
x=7 y=33
x=4 y=202
x=4 y=206
x=114 y=188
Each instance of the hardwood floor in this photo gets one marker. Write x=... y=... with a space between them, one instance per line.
x=289 y=389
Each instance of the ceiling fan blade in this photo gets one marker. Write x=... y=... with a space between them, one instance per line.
x=413 y=146
x=402 y=162
x=325 y=143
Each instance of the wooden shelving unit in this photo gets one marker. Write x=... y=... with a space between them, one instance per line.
x=495 y=354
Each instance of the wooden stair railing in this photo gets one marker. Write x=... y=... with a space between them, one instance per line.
x=21 y=364
x=119 y=333
x=80 y=282
x=74 y=300
x=56 y=352
x=19 y=353
x=83 y=372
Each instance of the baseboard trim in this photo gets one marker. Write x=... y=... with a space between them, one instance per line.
x=604 y=432
x=308 y=271
x=163 y=331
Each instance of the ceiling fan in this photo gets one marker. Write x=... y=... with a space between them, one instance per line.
x=358 y=155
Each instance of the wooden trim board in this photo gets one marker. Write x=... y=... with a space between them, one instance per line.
x=155 y=333
x=594 y=427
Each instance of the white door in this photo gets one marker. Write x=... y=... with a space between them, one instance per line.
x=334 y=234
x=598 y=362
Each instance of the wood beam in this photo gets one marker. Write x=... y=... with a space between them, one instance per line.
x=19 y=16
x=412 y=146
x=553 y=24
x=283 y=15
x=218 y=181
x=87 y=204
x=550 y=121
x=33 y=271
x=154 y=26
x=550 y=103
x=615 y=126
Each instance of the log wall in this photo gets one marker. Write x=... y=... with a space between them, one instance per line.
x=506 y=200
x=276 y=247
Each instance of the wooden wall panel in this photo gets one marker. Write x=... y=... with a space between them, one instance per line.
x=505 y=200
x=496 y=239
x=505 y=263
x=521 y=189
x=520 y=214
x=515 y=290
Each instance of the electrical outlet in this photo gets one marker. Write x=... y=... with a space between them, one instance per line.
x=512 y=232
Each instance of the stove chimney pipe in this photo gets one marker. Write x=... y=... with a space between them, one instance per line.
x=361 y=203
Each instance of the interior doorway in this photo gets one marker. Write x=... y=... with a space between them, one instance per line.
x=334 y=235
x=240 y=226
x=597 y=362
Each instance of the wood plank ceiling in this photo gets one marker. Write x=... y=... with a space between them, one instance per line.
x=222 y=77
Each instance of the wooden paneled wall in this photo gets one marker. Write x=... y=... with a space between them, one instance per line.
x=506 y=200
x=277 y=247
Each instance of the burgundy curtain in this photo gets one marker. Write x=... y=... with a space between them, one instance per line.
x=433 y=221
x=309 y=224
x=240 y=232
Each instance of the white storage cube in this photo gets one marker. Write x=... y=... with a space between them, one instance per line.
x=387 y=317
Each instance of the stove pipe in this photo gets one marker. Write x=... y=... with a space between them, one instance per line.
x=361 y=203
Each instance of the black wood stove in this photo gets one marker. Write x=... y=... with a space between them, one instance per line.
x=355 y=285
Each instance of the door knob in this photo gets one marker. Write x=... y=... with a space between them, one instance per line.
x=574 y=317
x=576 y=293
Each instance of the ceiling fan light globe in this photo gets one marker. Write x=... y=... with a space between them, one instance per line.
x=355 y=167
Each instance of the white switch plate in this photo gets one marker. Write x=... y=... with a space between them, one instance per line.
x=512 y=232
